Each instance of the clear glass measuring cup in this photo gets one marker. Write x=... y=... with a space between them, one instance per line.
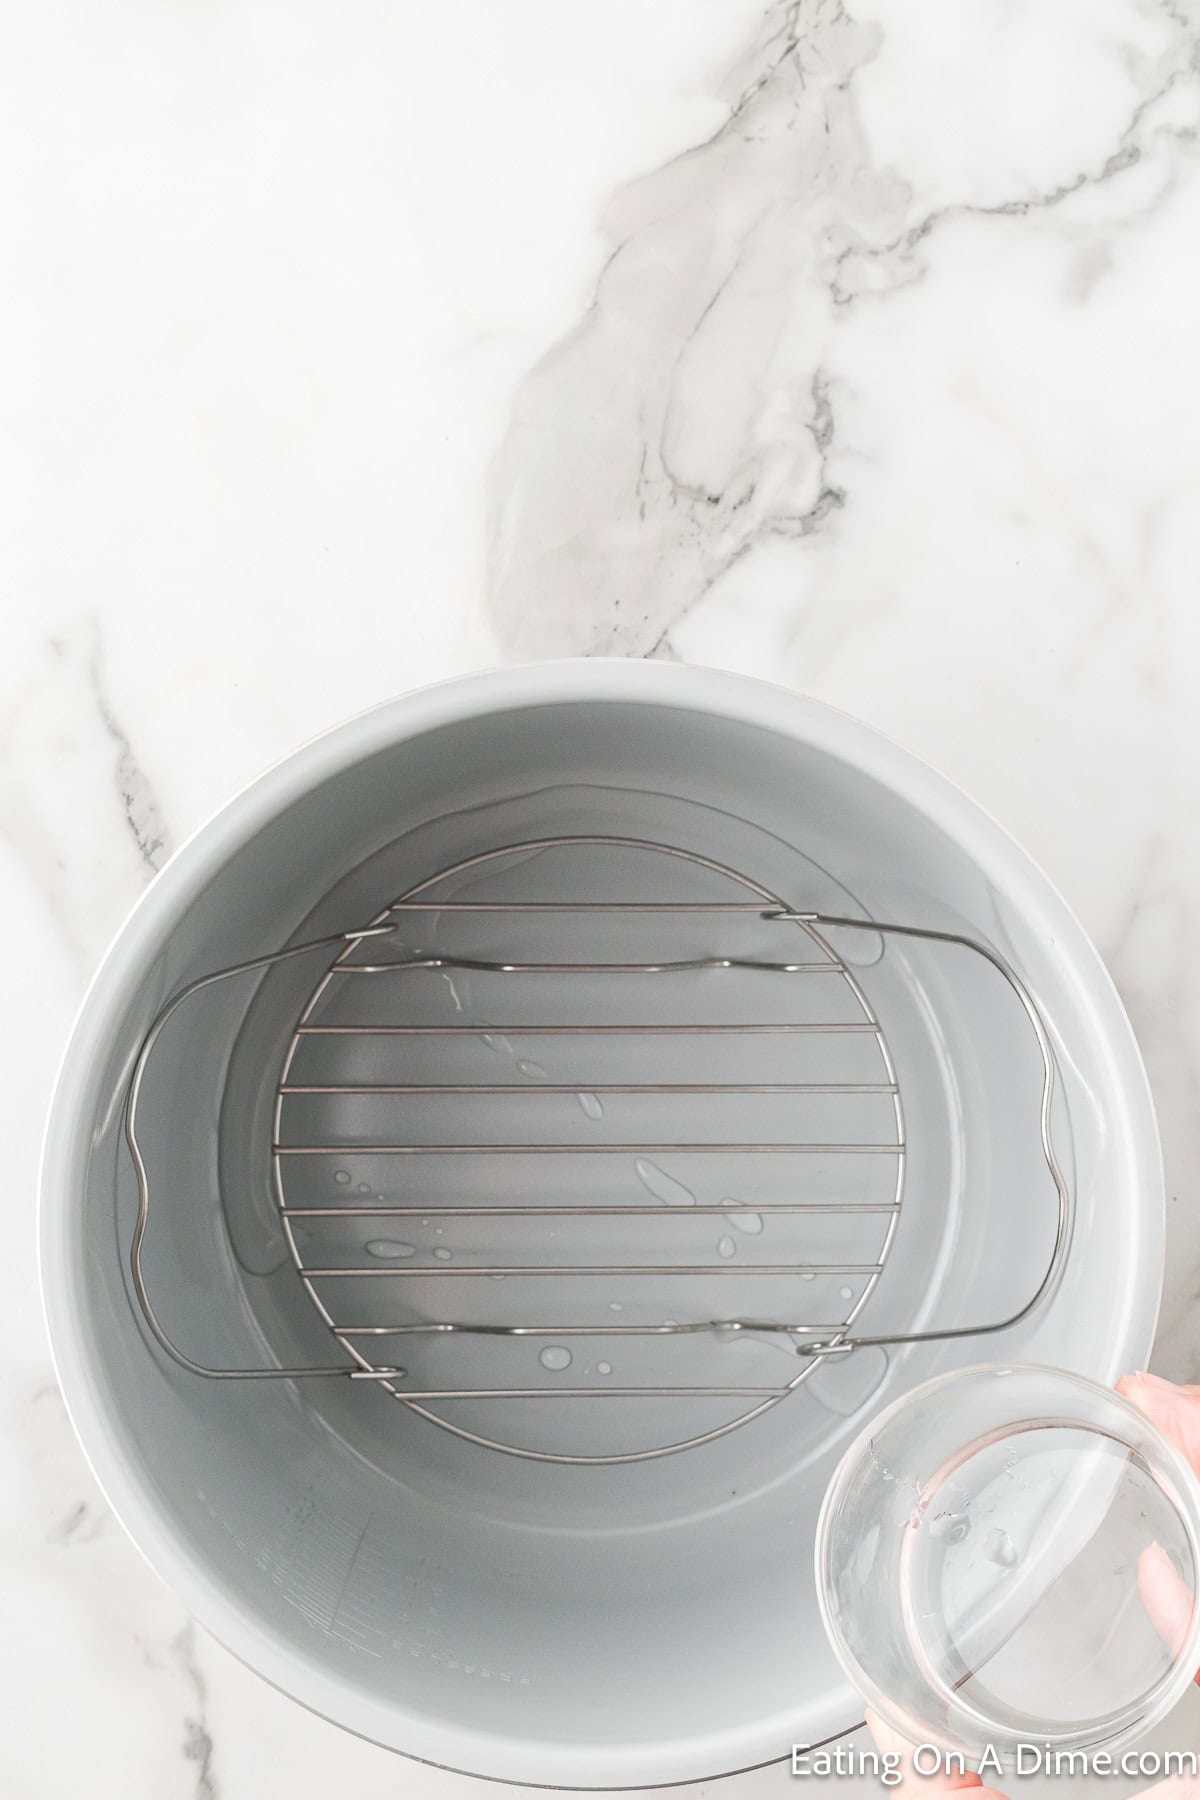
x=1010 y=1555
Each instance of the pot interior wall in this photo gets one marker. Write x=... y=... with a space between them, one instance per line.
x=660 y=1600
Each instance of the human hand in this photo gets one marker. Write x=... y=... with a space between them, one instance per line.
x=912 y=1781
x=1175 y=1410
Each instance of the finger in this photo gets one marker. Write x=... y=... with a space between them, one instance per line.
x=1169 y=1602
x=1175 y=1410
x=1175 y=1787
x=912 y=1782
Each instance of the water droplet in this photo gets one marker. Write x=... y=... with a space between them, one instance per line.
x=846 y=1293
x=364 y=1187
x=808 y=1275
x=949 y=1527
x=1000 y=1549
x=389 y=1248
x=778 y=1341
x=497 y=1042
x=726 y=1247
x=555 y=1356
x=534 y=1071
x=442 y=1254
x=662 y=1186
x=860 y=948
x=615 y=1306
x=843 y=1384
x=341 y=1176
x=749 y=1222
x=590 y=1106
x=604 y=1368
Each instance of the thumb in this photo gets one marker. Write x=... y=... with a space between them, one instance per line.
x=1169 y=1602
x=912 y=1782
x=1175 y=1410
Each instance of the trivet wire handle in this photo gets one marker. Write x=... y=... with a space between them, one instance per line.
x=137 y=1273
x=839 y=1344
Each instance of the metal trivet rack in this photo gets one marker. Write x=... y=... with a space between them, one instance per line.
x=390 y=1117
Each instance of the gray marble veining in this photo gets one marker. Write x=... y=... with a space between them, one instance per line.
x=852 y=346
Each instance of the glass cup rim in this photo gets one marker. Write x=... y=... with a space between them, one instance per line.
x=1170 y=1472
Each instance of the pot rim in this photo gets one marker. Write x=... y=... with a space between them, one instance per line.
x=148 y=924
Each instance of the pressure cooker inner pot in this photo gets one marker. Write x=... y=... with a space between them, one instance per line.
x=575 y=1560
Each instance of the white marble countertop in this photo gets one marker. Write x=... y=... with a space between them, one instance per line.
x=347 y=347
